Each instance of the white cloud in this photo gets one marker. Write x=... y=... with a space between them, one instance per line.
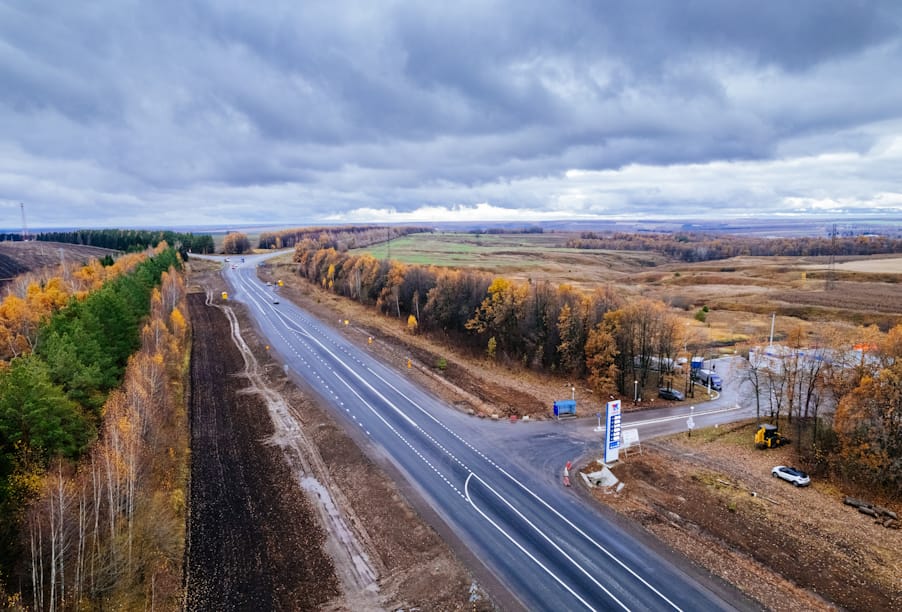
x=192 y=112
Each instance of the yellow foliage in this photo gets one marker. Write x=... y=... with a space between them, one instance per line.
x=18 y=326
x=499 y=285
x=156 y=300
x=177 y=324
x=177 y=500
x=90 y=276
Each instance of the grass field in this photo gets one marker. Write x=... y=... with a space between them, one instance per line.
x=518 y=256
x=742 y=293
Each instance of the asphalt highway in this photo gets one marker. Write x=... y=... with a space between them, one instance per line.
x=551 y=548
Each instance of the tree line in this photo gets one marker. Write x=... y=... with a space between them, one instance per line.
x=695 y=247
x=55 y=392
x=338 y=238
x=133 y=240
x=556 y=328
x=236 y=243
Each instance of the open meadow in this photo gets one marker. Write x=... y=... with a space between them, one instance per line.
x=741 y=293
x=518 y=256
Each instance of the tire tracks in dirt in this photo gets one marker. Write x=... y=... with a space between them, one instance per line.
x=356 y=569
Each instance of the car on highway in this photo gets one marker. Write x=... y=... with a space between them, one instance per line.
x=791 y=474
x=671 y=394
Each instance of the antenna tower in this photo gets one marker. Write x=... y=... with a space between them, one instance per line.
x=24 y=225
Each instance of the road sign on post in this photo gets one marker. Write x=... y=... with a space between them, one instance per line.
x=612 y=432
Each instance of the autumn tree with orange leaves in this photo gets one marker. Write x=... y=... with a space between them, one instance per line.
x=868 y=422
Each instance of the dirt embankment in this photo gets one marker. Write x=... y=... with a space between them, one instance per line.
x=713 y=497
x=287 y=512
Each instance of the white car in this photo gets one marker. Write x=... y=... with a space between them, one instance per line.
x=791 y=474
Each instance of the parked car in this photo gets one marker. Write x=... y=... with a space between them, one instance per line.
x=791 y=474
x=671 y=394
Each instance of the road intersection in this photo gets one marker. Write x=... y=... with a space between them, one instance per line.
x=491 y=483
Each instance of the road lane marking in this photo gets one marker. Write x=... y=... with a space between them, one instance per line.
x=502 y=470
x=523 y=549
x=298 y=328
x=678 y=417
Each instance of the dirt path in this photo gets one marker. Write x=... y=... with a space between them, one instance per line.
x=344 y=545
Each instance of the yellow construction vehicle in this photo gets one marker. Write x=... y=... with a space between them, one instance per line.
x=767 y=436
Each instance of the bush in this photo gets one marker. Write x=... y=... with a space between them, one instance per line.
x=681 y=301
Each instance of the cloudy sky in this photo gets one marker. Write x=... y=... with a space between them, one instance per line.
x=121 y=113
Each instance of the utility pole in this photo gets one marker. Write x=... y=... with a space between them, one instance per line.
x=388 y=243
x=831 y=272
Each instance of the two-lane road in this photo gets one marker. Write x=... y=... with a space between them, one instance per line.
x=551 y=549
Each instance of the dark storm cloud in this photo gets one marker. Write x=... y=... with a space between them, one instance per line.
x=295 y=108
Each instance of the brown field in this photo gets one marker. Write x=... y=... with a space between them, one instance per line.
x=878 y=264
x=21 y=257
x=258 y=541
x=713 y=497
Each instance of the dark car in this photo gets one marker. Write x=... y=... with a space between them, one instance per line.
x=671 y=394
